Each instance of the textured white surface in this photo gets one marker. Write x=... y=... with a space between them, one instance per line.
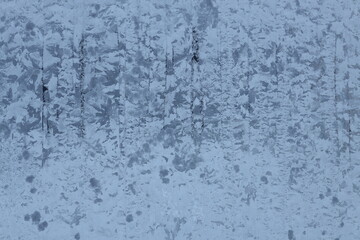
x=179 y=119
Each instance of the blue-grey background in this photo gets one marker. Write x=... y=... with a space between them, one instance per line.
x=179 y=119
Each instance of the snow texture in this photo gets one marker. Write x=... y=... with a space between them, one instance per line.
x=179 y=119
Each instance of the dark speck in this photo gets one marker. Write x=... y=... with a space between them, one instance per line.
x=26 y=155
x=291 y=235
x=138 y=213
x=335 y=200
x=94 y=183
x=264 y=179
x=77 y=236
x=98 y=200
x=165 y=180
x=30 y=179
x=321 y=196
x=35 y=217
x=237 y=168
x=164 y=173
x=323 y=232
x=27 y=217
x=42 y=226
x=341 y=224
x=145 y=172
x=328 y=192
x=29 y=26
x=33 y=190
x=129 y=218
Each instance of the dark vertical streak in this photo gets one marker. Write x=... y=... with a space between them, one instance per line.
x=195 y=46
x=335 y=103
x=196 y=91
x=249 y=107
x=81 y=80
x=219 y=63
x=277 y=50
x=148 y=61
x=194 y=59
x=119 y=92
x=43 y=90
x=165 y=84
x=349 y=139
x=349 y=120
x=58 y=82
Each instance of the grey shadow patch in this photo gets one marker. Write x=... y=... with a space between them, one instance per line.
x=291 y=235
x=30 y=179
x=29 y=26
x=164 y=173
x=184 y=164
x=77 y=236
x=42 y=226
x=264 y=180
x=26 y=155
x=335 y=200
x=165 y=180
x=35 y=217
x=4 y=131
x=95 y=184
x=129 y=218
